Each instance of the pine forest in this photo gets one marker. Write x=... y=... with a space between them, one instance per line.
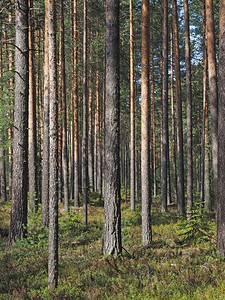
x=112 y=149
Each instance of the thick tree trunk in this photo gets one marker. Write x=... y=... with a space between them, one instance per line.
x=213 y=88
x=164 y=156
x=18 y=219
x=189 y=111
x=112 y=244
x=180 y=155
x=45 y=155
x=53 y=151
x=220 y=207
x=145 y=130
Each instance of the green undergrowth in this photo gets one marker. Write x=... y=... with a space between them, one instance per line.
x=181 y=263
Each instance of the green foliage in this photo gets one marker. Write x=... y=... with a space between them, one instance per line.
x=197 y=229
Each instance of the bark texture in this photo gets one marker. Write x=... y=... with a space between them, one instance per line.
x=18 y=218
x=112 y=216
x=145 y=123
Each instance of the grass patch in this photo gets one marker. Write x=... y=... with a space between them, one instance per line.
x=170 y=269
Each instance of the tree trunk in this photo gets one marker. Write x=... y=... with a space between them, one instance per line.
x=145 y=122
x=64 y=113
x=180 y=156
x=132 y=114
x=32 y=122
x=213 y=88
x=90 y=136
x=85 y=122
x=53 y=151
x=189 y=111
x=18 y=218
x=164 y=156
x=112 y=244
x=45 y=155
x=220 y=207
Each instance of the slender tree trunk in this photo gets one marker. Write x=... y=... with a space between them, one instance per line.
x=32 y=122
x=75 y=112
x=164 y=156
x=64 y=113
x=18 y=218
x=213 y=88
x=45 y=157
x=53 y=151
x=112 y=244
x=90 y=136
x=189 y=111
x=145 y=122
x=85 y=122
x=220 y=207
x=180 y=156
x=132 y=114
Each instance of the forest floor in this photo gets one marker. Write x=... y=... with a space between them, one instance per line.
x=182 y=262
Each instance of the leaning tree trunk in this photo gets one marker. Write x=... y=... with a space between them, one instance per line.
x=112 y=216
x=53 y=151
x=18 y=218
x=145 y=122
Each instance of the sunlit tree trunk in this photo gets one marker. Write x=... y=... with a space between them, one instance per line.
x=145 y=130
x=180 y=156
x=213 y=88
x=112 y=244
x=18 y=218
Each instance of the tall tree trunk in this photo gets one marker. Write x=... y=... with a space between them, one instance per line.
x=18 y=218
x=75 y=112
x=53 y=151
x=85 y=122
x=145 y=123
x=220 y=207
x=32 y=122
x=213 y=88
x=132 y=114
x=45 y=155
x=90 y=136
x=180 y=155
x=164 y=156
x=112 y=244
x=64 y=113
x=189 y=111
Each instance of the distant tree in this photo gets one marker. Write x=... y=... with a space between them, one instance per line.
x=18 y=218
x=145 y=123
x=112 y=216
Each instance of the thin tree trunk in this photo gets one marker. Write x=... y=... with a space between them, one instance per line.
x=18 y=218
x=90 y=136
x=53 y=151
x=64 y=113
x=132 y=114
x=45 y=158
x=189 y=111
x=164 y=156
x=32 y=122
x=112 y=244
x=213 y=88
x=145 y=123
x=85 y=122
x=180 y=156
x=220 y=207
